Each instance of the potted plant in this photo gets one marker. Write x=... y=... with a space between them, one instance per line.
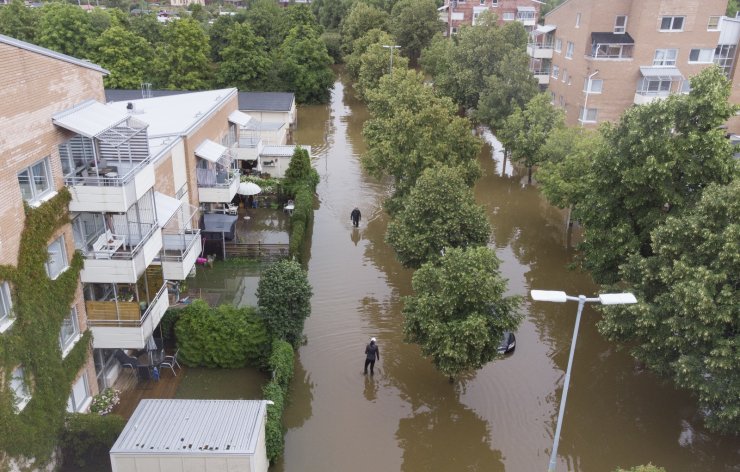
x=104 y=402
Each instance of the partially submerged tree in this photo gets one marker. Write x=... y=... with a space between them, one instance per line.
x=374 y=64
x=458 y=313
x=284 y=300
x=361 y=19
x=304 y=65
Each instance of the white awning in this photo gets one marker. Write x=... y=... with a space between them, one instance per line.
x=443 y=8
x=239 y=118
x=542 y=29
x=166 y=207
x=526 y=9
x=663 y=73
x=90 y=118
x=210 y=151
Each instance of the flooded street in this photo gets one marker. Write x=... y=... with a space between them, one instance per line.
x=408 y=417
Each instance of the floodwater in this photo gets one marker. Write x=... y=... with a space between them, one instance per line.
x=408 y=417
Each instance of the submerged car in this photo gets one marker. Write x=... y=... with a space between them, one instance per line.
x=508 y=343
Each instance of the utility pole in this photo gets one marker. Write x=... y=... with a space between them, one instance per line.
x=391 y=47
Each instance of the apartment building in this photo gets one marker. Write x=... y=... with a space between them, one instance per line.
x=456 y=13
x=598 y=57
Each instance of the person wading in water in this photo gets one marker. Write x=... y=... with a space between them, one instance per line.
x=355 y=217
x=372 y=352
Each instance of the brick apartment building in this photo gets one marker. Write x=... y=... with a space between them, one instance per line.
x=466 y=12
x=598 y=57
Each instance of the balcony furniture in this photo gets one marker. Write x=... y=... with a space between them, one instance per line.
x=171 y=362
x=232 y=209
x=107 y=244
x=126 y=361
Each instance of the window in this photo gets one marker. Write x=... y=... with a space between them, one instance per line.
x=80 y=398
x=704 y=56
x=20 y=390
x=555 y=71
x=588 y=115
x=713 y=24
x=596 y=85
x=620 y=24
x=493 y=3
x=565 y=75
x=665 y=57
x=724 y=56
x=70 y=332
x=57 y=261
x=655 y=86
x=611 y=51
x=578 y=20
x=6 y=307
x=569 y=51
x=35 y=181
x=558 y=45
x=508 y=16
x=482 y=2
x=671 y=23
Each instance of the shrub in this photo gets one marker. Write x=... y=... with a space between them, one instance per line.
x=284 y=299
x=281 y=363
x=274 y=439
x=89 y=437
x=104 y=402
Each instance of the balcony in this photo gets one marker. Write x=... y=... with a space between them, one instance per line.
x=658 y=83
x=542 y=76
x=179 y=252
x=249 y=149
x=217 y=187
x=124 y=258
x=540 y=51
x=611 y=46
x=125 y=324
x=110 y=189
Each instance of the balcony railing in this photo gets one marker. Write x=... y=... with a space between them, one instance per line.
x=123 y=251
x=209 y=178
x=121 y=314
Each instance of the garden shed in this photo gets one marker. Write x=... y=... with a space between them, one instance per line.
x=193 y=435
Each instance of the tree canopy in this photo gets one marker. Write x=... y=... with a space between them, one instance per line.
x=284 y=300
x=304 y=65
x=374 y=64
x=19 y=21
x=361 y=19
x=65 y=28
x=126 y=55
x=458 y=312
x=413 y=24
x=245 y=60
x=182 y=59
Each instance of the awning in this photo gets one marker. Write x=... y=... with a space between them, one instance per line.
x=240 y=118
x=210 y=151
x=218 y=223
x=662 y=73
x=166 y=207
x=543 y=29
x=90 y=118
x=611 y=38
x=443 y=8
x=526 y=9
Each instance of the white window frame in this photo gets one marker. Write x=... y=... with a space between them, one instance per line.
x=713 y=23
x=593 y=90
x=569 y=51
x=6 y=307
x=665 y=60
x=67 y=343
x=21 y=392
x=494 y=3
x=708 y=54
x=555 y=71
x=558 y=45
x=565 y=75
x=620 y=29
x=75 y=405
x=508 y=16
x=672 y=19
x=586 y=112
x=37 y=195
x=482 y=2
x=578 y=20
x=62 y=254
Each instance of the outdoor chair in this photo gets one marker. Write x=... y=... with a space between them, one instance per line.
x=126 y=361
x=171 y=362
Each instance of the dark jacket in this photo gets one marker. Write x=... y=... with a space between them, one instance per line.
x=372 y=351
x=355 y=215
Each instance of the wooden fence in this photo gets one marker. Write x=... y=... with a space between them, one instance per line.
x=264 y=252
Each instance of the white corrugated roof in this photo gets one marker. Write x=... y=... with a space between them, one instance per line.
x=239 y=117
x=282 y=151
x=210 y=150
x=166 y=207
x=90 y=118
x=192 y=427
x=661 y=72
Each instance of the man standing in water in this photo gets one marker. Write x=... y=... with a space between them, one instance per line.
x=372 y=352
x=355 y=217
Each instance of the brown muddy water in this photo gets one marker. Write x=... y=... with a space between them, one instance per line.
x=408 y=417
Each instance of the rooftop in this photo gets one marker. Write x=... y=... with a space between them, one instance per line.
x=49 y=53
x=257 y=101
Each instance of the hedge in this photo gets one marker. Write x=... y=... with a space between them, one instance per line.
x=281 y=365
x=87 y=436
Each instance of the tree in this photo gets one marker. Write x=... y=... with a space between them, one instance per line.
x=245 y=60
x=198 y=13
x=458 y=312
x=19 y=21
x=374 y=64
x=182 y=59
x=414 y=23
x=525 y=131
x=284 y=300
x=301 y=15
x=329 y=13
x=685 y=325
x=412 y=128
x=126 y=55
x=303 y=65
x=439 y=213
x=653 y=163
x=218 y=35
x=353 y=61
x=268 y=21
x=300 y=172
x=361 y=19
x=65 y=28
x=732 y=8
x=148 y=28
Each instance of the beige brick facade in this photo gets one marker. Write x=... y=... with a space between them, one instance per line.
x=465 y=12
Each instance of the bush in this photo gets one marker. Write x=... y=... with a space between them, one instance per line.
x=284 y=299
x=167 y=326
x=225 y=336
x=89 y=438
x=281 y=363
x=274 y=439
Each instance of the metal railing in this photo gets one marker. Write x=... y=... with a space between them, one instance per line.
x=102 y=180
x=122 y=253
x=124 y=313
x=190 y=237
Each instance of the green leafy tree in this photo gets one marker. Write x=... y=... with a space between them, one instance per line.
x=245 y=60
x=414 y=23
x=374 y=64
x=19 y=21
x=333 y=42
x=100 y=20
x=732 y=8
x=301 y=15
x=439 y=213
x=126 y=55
x=182 y=59
x=304 y=66
x=361 y=19
x=65 y=28
x=329 y=13
x=686 y=324
x=198 y=13
x=121 y=5
x=653 y=163
x=435 y=59
x=218 y=35
x=284 y=300
x=458 y=312
x=353 y=61
x=525 y=131
x=268 y=21
x=300 y=172
x=148 y=28
x=411 y=129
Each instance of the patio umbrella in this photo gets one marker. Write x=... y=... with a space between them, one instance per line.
x=248 y=188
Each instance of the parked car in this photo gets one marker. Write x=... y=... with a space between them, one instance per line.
x=508 y=343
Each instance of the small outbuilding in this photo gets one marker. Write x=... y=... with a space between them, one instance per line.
x=193 y=435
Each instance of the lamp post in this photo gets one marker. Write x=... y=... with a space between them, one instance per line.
x=562 y=297
x=585 y=102
x=391 y=47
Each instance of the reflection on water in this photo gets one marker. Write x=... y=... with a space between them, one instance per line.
x=408 y=417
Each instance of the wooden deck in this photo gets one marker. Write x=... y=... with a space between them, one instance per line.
x=133 y=390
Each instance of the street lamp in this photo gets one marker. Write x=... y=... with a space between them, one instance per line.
x=562 y=297
x=585 y=102
x=395 y=46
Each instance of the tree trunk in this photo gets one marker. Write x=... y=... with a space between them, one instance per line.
x=529 y=175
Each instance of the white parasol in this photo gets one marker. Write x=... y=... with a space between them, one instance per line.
x=248 y=188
